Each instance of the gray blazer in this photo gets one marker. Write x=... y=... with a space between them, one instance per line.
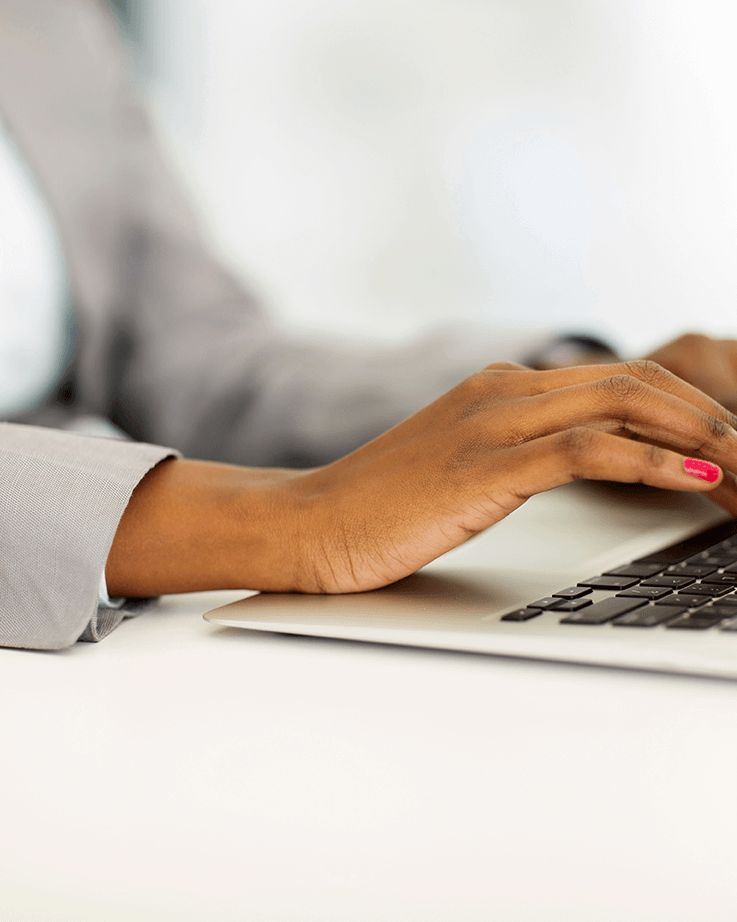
x=170 y=346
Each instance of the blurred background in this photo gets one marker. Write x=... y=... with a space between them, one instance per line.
x=378 y=167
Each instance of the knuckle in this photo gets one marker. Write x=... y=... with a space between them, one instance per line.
x=481 y=382
x=577 y=442
x=484 y=388
x=474 y=389
x=647 y=370
x=622 y=387
x=516 y=435
x=655 y=456
x=718 y=429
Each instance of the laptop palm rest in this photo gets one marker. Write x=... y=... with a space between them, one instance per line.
x=457 y=601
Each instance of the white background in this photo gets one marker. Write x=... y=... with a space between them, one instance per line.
x=378 y=166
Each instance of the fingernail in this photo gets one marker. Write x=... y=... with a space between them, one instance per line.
x=704 y=470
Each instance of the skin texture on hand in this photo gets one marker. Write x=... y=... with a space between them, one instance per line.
x=455 y=468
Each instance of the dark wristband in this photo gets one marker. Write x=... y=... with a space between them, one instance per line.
x=574 y=349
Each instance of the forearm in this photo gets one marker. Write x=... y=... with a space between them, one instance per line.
x=252 y=395
x=194 y=525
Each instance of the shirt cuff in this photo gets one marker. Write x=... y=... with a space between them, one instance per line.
x=104 y=600
x=65 y=495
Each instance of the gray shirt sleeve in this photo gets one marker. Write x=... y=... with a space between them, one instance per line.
x=173 y=348
x=62 y=498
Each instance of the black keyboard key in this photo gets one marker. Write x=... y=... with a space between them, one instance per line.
x=717 y=609
x=645 y=592
x=701 y=589
x=522 y=614
x=673 y=582
x=713 y=554
x=650 y=616
x=576 y=605
x=609 y=582
x=601 y=612
x=574 y=592
x=727 y=601
x=725 y=579
x=690 y=601
x=546 y=604
x=640 y=570
x=693 y=546
x=690 y=570
x=717 y=562
x=694 y=622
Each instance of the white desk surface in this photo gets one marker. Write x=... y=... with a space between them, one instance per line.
x=181 y=772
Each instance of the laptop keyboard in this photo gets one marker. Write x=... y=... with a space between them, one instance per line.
x=691 y=585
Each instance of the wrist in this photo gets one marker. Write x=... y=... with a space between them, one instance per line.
x=193 y=525
x=271 y=518
x=569 y=350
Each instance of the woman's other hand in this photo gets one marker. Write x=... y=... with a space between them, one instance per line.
x=709 y=364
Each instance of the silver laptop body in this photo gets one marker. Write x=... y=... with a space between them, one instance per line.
x=554 y=541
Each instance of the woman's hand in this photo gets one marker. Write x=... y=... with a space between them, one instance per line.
x=709 y=364
x=450 y=471
x=476 y=454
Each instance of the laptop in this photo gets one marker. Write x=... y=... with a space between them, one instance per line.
x=603 y=574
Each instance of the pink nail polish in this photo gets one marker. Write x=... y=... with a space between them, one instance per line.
x=704 y=470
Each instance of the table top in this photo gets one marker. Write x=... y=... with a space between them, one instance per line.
x=180 y=771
